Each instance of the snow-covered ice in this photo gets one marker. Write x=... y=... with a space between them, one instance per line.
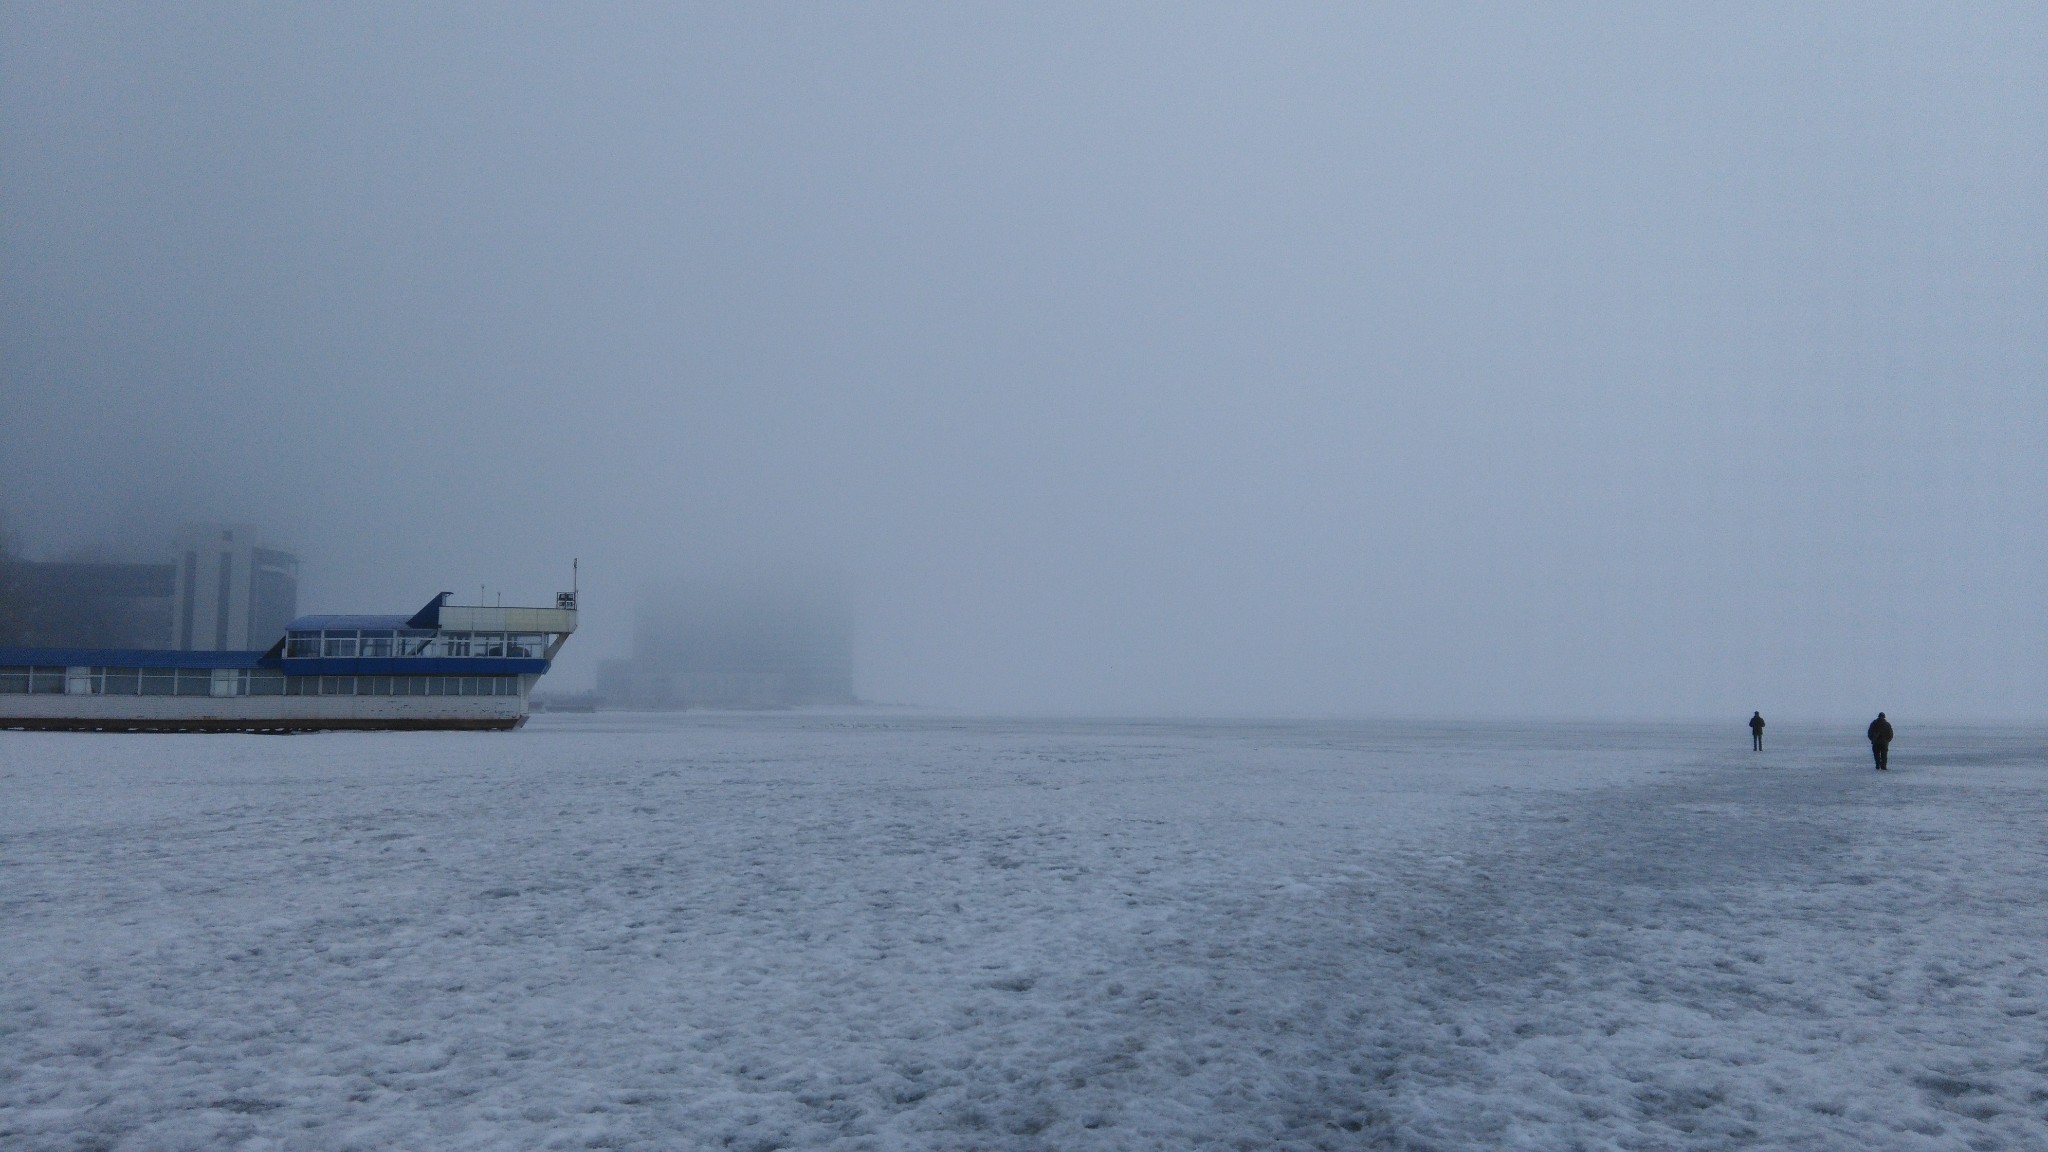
x=890 y=931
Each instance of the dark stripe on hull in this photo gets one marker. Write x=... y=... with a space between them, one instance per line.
x=209 y=724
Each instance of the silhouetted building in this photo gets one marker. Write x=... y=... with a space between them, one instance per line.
x=220 y=591
x=74 y=605
x=764 y=643
x=231 y=593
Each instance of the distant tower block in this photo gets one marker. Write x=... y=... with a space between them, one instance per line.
x=231 y=593
x=767 y=639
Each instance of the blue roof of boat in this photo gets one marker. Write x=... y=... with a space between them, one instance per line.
x=127 y=658
x=426 y=619
x=339 y=623
x=336 y=666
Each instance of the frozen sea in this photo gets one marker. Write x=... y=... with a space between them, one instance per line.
x=888 y=930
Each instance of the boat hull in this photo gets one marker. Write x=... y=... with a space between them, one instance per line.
x=69 y=713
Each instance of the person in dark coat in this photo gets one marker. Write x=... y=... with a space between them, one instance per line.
x=1756 y=731
x=1880 y=740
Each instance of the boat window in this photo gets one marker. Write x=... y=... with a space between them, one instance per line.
x=526 y=645
x=376 y=644
x=339 y=644
x=159 y=681
x=454 y=643
x=14 y=681
x=46 y=681
x=195 y=682
x=487 y=644
x=117 y=681
x=263 y=682
x=299 y=645
x=413 y=642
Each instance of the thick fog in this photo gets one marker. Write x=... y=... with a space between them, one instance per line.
x=1406 y=359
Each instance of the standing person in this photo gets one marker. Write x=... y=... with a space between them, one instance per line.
x=1756 y=731
x=1880 y=740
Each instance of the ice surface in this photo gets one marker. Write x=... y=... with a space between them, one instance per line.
x=887 y=931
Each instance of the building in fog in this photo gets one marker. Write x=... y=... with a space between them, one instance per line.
x=86 y=605
x=230 y=592
x=771 y=642
x=217 y=590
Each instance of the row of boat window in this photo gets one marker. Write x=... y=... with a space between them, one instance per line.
x=244 y=682
x=398 y=686
x=376 y=642
x=39 y=680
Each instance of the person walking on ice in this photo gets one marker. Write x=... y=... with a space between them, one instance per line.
x=1756 y=731
x=1880 y=740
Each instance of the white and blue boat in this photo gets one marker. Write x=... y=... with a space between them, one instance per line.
x=445 y=666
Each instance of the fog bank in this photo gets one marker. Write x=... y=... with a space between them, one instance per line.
x=1575 y=360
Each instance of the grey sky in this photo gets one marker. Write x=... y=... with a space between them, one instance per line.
x=1595 y=360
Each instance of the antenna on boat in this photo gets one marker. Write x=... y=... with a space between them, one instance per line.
x=568 y=599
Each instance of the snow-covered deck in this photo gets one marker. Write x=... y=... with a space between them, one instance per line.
x=885 y=931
